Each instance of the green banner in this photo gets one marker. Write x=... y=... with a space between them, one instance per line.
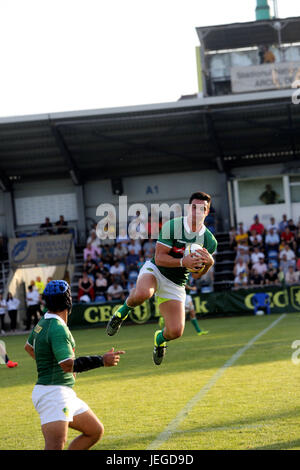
x=283 y=300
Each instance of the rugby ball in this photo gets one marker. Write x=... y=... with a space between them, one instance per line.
x=193 y=249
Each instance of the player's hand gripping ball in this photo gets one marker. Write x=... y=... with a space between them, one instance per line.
x=194 y=250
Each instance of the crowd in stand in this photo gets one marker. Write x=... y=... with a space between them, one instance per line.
x=60 y=227
x=266 y=255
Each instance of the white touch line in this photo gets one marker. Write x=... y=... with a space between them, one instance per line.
x=171 y=428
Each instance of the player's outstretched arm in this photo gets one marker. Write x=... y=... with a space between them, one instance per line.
x=112 y=358
x=85 y=363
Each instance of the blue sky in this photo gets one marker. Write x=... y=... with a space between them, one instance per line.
x=68 y=55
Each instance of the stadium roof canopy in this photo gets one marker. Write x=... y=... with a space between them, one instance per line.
x=191 y=134
x=250 y=34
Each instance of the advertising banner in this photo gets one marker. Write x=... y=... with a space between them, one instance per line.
x=238 y=302
x=39 y=250
x=264 y=77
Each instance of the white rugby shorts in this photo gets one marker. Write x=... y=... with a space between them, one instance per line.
x=189 y=303
x=57 y=403
x=166 y=289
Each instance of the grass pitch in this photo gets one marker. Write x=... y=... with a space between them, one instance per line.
x=254 y=404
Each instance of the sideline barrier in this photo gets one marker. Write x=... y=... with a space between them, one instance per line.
x=236 y=302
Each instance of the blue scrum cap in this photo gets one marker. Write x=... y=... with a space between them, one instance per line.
x=56 y=287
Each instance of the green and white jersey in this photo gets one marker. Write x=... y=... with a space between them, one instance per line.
x=53 y=343
x=177 y=235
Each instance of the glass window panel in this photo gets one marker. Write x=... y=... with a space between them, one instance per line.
x=259 y=192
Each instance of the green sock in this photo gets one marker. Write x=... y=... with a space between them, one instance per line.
x=124 y=310
x=160 y=338
x=196 y=325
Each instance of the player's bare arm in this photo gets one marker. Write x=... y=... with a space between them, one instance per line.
x=29 y=349
x=110 y=359
x=163 y=258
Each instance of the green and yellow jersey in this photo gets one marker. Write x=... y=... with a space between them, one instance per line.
x=53 y=343
x=177 y=235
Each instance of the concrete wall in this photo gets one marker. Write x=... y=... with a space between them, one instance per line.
x=154 y=189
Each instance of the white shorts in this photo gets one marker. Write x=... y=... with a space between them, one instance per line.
x=57 y=403
x=166 y=289
x=189 y=303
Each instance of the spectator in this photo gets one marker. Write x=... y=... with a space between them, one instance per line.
x=94 y=241
x=140 y=262
x=62 y=225
x=298 y=264
x=103 y=269
x=240 y=267
x=12 y=309
x=130 y=286
x=210 y=220
x=149 y=249
x=138 y=226
x=243 y=254
x=286 y=251
x=132 y=259
x=272 y=225
x=269 y=57
x=123 y=237
x=255 y=255
x=206 y=281
x=271 y=276
x=91 y=250
x=90 y=266
x=291 y=276
x=100 y=286
x=288 y=237
x=86 y=287
x=115 y=292
x=255 y=239
x=39 y=285
x=241 y=235
x=33 y=306
x=260 y=267
x=292 y=226
x=133 y=274
x=272 y=240
x=260 y=229
x=117 y=271
x=154 y=225
x=3 y=308
x=256 y=279
x=120 y=251
x=107 y=254
x=47 y=226
x=241 y=280
x=269 y=196
x=136 y=246
x=285 y=263
x=282 y=224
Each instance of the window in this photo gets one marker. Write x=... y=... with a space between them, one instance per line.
x=295 y=188
x=259 y=192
